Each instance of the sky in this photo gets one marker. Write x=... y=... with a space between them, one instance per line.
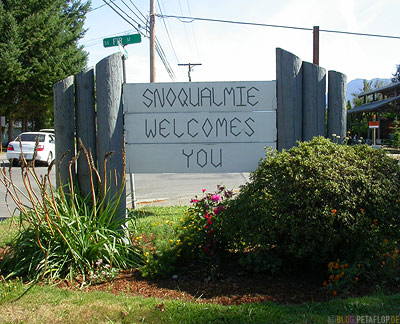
x=233 y=52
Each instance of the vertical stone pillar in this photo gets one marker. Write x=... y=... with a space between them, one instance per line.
x=64 y=127
x=314 y=101
x=337 y=112
x=289 y=82
x=85 y=125
x=110 y=131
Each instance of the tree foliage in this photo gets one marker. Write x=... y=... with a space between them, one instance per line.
x=396 y=76
x=38 y=47
x=367 y=86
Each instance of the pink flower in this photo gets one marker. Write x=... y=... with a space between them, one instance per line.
x=204 y=190
x=215 y=197
x=218 y=209
x=193 y=201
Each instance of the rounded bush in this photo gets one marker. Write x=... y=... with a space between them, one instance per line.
x=317 y=202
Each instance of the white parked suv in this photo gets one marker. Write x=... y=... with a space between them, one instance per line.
x=45 y=148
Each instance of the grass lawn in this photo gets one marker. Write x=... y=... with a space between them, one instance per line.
x=7 y=232
x=49 y=304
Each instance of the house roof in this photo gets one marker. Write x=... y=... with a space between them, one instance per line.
x=389 y=89
x=375 y=105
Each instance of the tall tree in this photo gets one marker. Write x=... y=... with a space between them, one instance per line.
x=38 y=47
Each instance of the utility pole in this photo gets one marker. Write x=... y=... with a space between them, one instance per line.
x=316 y=45
x=190 y=65
x=152 y=40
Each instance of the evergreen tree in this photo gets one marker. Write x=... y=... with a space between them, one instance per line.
x=38 y=47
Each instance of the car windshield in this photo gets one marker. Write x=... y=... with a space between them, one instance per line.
x=31 y=137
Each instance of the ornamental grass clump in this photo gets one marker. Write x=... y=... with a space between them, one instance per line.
x=315 y=203
x=63 y=234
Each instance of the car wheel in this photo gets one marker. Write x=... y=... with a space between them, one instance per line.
x=49 y=158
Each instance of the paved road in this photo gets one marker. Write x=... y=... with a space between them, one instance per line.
x=165 y=189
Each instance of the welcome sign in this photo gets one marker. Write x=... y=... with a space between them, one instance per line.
x=198 y=127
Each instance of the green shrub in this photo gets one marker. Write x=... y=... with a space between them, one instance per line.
x=314 y=204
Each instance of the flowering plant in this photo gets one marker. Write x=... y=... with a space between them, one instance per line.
x=202 y=224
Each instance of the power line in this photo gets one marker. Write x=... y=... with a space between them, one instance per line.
x=164 y=59
x=186 y=33
x=159 y=48
x=191 y=19
x=99 y=7
x=121 y=15
x=194 y=34
x=138 y=9
x=166 y=29
x=140 y=19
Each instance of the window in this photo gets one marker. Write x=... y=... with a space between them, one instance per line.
x=31 y=137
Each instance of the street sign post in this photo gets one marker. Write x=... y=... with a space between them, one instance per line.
x=374 y=125
x=123 y=50
x=124 y=40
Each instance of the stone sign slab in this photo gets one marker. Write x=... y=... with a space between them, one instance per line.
x=200 y=96
x=194 y=158
x=229 y=127
x=198 y=127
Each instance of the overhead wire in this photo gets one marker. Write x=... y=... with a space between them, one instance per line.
x=191 y=19
x=158 y=46
x=121 y=15
x=167 y=31
x=98 y=7
x=194 y=34
x=184 y=27
x=138 y=9
x=140 y=19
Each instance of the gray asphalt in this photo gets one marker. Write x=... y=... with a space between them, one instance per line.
x=165 y=189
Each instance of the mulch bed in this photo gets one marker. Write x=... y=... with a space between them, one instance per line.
x=232 y=287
